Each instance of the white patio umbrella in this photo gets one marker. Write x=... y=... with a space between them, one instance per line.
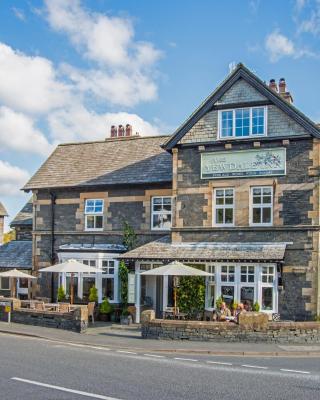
x=174 y=269
x=72 y=267
x=15 y=274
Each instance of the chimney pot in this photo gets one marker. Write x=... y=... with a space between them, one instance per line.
x=121 y=130
x=282 y=85
x=283 y=91
x=128 y=130
x=114 y=131
x=273 y=85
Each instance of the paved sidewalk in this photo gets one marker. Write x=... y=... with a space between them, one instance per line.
x=116 y=336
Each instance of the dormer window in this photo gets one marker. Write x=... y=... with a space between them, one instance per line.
x=242 y=123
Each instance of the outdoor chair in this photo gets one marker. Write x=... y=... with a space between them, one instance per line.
x=91 y=307
x=63 y=307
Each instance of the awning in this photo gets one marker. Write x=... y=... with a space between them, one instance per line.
x=164 y=249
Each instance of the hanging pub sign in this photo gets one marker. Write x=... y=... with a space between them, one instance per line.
x=243 y=163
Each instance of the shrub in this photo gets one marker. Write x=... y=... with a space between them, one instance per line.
x=93 y=295
x=191 y=294
x=219 y=302
x=61 y=294
x=105 y=307
x=256 y=307
x=123 y=277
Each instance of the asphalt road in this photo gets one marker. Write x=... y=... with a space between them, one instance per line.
x=36 y=369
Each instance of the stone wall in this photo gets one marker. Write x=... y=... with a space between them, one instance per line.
x=75 y=320
x=273 y=332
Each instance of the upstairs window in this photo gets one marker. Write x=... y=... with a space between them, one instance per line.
x=261 y=205
x=94 y=215
x=224 y=205
x=242 y=122
x=161 y=213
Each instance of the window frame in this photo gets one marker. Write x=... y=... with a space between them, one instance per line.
x=1 y=284
x=223 y=207
x=252 y=206
x=251 y=135
x=160 y=213
x=94 y=214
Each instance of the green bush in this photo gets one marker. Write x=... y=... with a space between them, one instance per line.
x=61 y=294
x=123 y=277
x=105 y=307
x=256 y=307
x=219 y=302
x=93 y=295
x=191 y=294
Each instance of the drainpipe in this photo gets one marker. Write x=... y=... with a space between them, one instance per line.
x=52 y=258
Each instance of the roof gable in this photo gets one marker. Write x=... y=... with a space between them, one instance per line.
x=241 y=72
x=3 y=211
x=24 y=216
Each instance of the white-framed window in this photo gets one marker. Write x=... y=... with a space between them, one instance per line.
x=246 y=283
x=94 y=214
x=223 y=206
x=243 y=122
x=261 y=212
x=4 y=283
x=161 y=213
x=108 y=286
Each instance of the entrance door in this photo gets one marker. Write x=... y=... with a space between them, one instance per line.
x=159 y=296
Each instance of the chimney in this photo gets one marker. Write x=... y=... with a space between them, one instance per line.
x=283 y=91
x=114 y=131
x=128 y=130
x=120 y=130
x=273 y=86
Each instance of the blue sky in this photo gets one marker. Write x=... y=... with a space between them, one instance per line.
x=71 y=69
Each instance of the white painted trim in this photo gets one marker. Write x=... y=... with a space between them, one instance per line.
x=159 y=213
x=215 y=207
x=94 y=213
x=251 y=223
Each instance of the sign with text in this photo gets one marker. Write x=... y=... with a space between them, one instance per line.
x=243 y=163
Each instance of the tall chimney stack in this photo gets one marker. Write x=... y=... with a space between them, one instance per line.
x=128 y=130
x=273 y=85
x=120 y=130
x=114 y=131
x=283 y=91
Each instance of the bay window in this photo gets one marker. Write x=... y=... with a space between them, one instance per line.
x=94 y=214
x=161 y=213
x=242 y=122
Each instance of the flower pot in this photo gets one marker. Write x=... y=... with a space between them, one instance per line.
x=125 y=320
x=104 y=317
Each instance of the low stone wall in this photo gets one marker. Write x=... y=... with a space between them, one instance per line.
x=272 y=332
x=75 y=320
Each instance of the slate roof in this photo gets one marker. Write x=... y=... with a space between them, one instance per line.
x=241 y=72
x=125 y=160
x=24 y=216
x=16 y=254
x=163 y=249
x=92 y=247
x=3 y=211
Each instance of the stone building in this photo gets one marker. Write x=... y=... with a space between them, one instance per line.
x=3 y=214
x=245 y=191
x=83 y=196
x=18 y=252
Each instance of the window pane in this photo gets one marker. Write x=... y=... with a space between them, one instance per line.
x=90 y=221
x=243 y=278
x=267 y=303
x=227 y=123
x=256 y=216
x=108 y=288
x=266 y=215
x=229 y=215
x=219 y=216
x=99 y=221
x=156 y=221
x=5 y=283
x=166 y=221
x=247 y=297
x=227 y=293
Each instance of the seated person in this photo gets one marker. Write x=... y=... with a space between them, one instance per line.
x=223 y=312
x=247 y=305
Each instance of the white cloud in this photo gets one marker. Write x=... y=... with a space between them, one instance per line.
x=78 y=123
x=19 y=13
x=30 y=84
x=12 y=179
x=312 y=23
x=18 y=132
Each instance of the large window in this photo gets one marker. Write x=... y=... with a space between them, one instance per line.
x=161 y=215
x=94 y=215
x=261 y=205
x=4 y=283
x=242 y=122
x=108 y=271
x=224 y=205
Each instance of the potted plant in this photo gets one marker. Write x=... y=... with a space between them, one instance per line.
x=125 y=318
x=61 y=294
x=105 y=310
x=256 y=307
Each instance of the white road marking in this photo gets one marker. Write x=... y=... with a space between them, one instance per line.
x=126 y=352
x=185 y=359
x=63 y=389
x=253 y=366
x=219 y=363
x=293 y=370
x=88 y=346
x=154 y=355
